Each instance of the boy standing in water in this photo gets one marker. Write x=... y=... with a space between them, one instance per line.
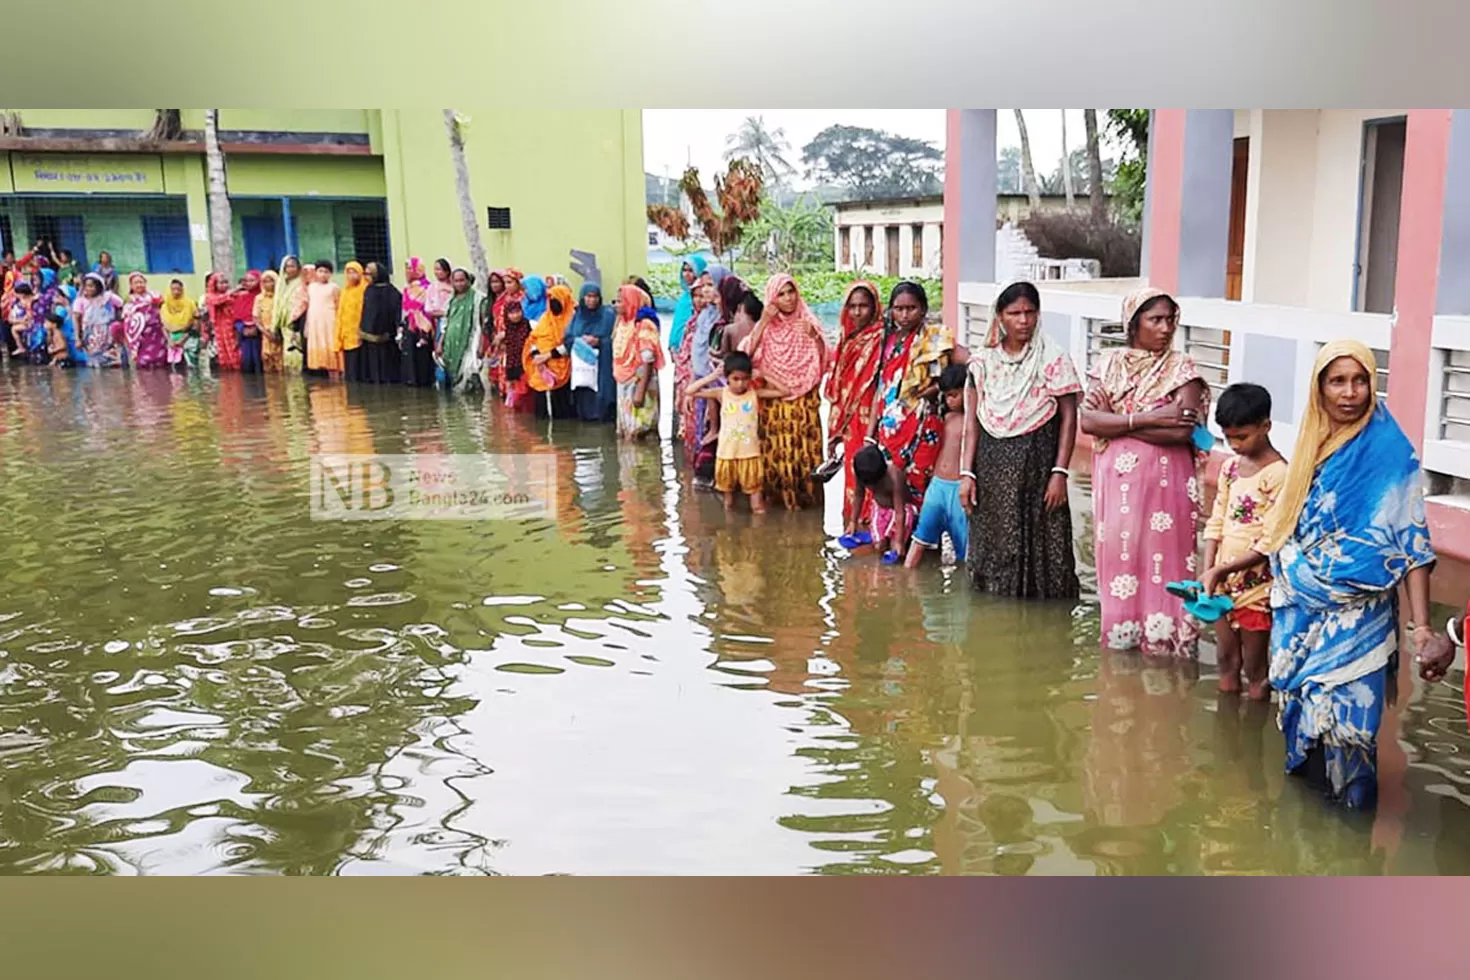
x=942 y=511
x=1248 y=486
x=738 y=466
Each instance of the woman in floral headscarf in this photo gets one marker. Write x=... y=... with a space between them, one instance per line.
x=272 y=350
x=637 y=359
x=788 y=348
x=1020 y=431
x=1141 y=409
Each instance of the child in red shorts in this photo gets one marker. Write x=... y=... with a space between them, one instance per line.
x=1249 y=484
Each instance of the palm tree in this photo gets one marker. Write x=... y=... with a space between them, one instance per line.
x=1028 y=172
x=1094 y=165
x=767 y=147
x=221 y=233
x=454 y=126
x=167 y=125
x=1067 y=166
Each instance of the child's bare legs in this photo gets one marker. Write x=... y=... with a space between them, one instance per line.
x=1227 y=642
x=757 y=502
x=1255 y=656
x=729 y=496
x=915 y=555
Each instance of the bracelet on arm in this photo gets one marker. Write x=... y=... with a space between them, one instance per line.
x=1062 y=471
x=1130 y=421
x=970 y=474
x=869 y=441
x=1452 y=633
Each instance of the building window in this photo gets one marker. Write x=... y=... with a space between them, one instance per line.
x=867 y=246
x=7 y=240
x=166 y=243
x=370 y=239
x=919 y=247
x=844 y=246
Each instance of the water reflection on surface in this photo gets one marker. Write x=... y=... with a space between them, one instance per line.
x=196 y=678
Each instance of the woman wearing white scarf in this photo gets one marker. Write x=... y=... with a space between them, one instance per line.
x=1021 y=428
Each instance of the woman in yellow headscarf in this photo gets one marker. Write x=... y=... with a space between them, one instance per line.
x=349 y=321
x=178 y=313
x=1346 y=531
x=546 y=360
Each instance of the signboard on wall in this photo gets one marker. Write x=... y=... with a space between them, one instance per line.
x=67 y=173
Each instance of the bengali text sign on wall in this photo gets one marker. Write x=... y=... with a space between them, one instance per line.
x=85 y=174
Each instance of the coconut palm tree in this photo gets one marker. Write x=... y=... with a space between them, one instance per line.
x=767 y=147
x=1028 y=171
x=221 y=223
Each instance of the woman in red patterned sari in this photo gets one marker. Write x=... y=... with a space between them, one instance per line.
x=850 y=388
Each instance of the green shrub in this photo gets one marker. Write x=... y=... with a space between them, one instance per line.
x=818 y=285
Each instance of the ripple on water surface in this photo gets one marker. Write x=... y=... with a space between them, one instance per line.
x=195 y=677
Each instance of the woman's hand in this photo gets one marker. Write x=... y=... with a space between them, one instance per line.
x=1434 y=653
x=1097 y=400
x=638 y=394
x=1210 y=580
x=1056 y=493
x=589 y=340
x=968 y=497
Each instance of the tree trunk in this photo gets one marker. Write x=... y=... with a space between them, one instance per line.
x=1067 y=167
x=221 y=229
x=470 y=366
x=1094 y=166
x=167 y=125
x=1028 y=172
x=467 y=215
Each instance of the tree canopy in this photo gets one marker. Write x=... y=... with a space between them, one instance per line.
x=871 y=163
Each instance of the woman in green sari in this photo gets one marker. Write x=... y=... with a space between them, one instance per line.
x=461 y=332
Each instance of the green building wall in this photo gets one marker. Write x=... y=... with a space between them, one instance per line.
x=578 y=184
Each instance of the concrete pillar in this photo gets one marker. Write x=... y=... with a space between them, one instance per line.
x=969 y=204
x=1421 y=229
x=906 y=251
x=1187 y=204
x=1454 y=247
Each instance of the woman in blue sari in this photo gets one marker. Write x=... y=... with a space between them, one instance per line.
x=689 y=274
x=1347 y=530
x=589 y=338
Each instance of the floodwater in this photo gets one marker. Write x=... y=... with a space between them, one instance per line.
x=196 y=678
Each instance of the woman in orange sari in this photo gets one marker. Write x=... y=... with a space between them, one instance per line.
x=637 y=359
x=546 y=359
x=850 y=389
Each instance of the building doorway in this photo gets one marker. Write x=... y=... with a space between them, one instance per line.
x=890 y=253
x=1239 y=180
x=1378 y=214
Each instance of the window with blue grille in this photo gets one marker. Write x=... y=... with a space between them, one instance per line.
x=166 y=243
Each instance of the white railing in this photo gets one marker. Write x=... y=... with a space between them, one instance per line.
x=1447 y=418
x=1270 y=345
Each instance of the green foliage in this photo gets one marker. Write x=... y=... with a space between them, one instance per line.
x=789 y=237
x=766 y=147
x=871 y=163
x=1130 y=128
x=818 y=285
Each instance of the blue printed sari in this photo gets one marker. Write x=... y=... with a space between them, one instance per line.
x=1334 y=631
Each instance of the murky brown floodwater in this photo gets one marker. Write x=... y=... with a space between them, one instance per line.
x=196 y=678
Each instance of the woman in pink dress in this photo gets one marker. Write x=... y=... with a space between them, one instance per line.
x=142 y=326
x=1142 y=406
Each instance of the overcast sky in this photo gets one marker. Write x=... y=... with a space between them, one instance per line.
x=674 y=137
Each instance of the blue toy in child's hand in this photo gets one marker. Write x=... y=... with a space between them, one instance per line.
x=890 y=558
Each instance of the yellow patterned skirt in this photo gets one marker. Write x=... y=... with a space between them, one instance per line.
x=791 y=448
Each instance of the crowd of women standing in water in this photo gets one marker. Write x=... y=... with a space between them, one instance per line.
x=1312 y=553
